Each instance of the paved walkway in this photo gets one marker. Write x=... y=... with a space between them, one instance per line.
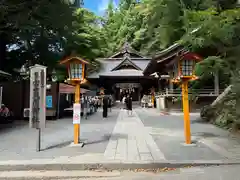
x=131 y=142
x=141 y=138
x=18 y=142
x=212 y=143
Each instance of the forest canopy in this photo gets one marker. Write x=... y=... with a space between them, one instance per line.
x=45 y=31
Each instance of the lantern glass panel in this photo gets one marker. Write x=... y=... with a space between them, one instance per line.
x=75 y=71
x=187 y=67
x=80 y=69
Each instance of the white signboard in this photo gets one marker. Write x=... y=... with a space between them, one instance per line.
x=76 y=113
x=37 y=115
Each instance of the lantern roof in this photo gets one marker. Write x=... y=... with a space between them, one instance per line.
x=191 y=56
x=73 y=58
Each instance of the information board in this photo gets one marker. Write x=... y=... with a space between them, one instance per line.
x=49 y=103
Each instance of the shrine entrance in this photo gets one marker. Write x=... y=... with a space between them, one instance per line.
x=122 y=89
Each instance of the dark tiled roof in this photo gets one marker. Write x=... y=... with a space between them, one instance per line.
x=108 y=65
x=127 y=49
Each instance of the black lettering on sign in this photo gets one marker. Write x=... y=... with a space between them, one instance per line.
x=35 y=101
x=42 y=78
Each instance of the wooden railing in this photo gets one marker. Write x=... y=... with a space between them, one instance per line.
x=194 y=92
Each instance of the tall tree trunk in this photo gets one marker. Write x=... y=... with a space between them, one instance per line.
x=216 y=82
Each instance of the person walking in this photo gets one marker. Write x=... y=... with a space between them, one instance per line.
x=105 y=106
x=129 y=104
x=124 y=102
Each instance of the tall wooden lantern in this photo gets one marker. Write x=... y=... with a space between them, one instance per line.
x=184 y=67
x=76 y=71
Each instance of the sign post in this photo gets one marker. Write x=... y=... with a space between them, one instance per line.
x=37 y=118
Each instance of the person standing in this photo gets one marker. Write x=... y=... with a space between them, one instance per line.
x=110 y=103
x=105 y=106
x=85 y=107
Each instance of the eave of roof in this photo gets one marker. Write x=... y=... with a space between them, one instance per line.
x=4 y=74
x=123 y=73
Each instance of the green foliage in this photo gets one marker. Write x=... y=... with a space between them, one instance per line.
x=45 y=31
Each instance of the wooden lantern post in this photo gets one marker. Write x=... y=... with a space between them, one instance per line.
x=76 y=71
x=186 y=65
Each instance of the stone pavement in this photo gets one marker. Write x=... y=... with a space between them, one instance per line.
x=212 y=143
x=131 y=142
x=143 y=139
x=18 y=142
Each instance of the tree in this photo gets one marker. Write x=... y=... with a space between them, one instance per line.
x=211 y=68
x=43 y=35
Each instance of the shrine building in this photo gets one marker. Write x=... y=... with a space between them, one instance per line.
x=122 y=73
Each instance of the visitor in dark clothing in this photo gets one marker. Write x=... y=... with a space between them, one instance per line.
x=129 y=104
x=110 y=103
x=105 y=106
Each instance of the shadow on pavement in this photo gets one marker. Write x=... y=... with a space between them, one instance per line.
x=61 y=145
x=104 y=139
x=205 y=134
x=117 y=136
x=67 y=143
x=5 y=127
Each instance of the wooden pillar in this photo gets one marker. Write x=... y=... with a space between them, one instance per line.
x=77 y=126
x=170 y=85
x=185 y=101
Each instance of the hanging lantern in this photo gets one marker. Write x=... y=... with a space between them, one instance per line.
x=76 y=68
x=185 y=66
x=101 y=91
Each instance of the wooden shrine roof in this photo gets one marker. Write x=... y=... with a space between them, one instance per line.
x=163 y=58
x=113 y=66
